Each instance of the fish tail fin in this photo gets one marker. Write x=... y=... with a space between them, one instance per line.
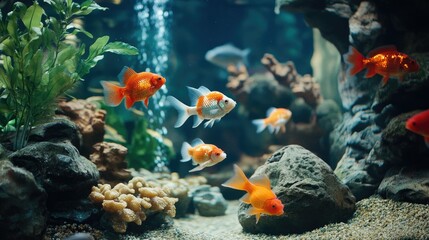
x=182 y=110
x=238 y=181
x=355 y=59
x=113 y=94
x=260 y=125
x=186 y=156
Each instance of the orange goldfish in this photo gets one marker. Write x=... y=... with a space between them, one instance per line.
x=206 y=105
x=419 y=124
x=386 y=61
x=275 y=120
x=259 y=194
x=205 y=155
x=138 y=87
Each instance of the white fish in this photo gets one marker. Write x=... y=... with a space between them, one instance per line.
x=206 y=104
x=226 y=55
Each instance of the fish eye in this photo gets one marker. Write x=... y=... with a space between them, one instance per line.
x=274 y=206
x=414 y=124
x=217 y=154
x=159 y=79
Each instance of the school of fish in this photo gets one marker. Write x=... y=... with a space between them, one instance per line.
x=213 y=105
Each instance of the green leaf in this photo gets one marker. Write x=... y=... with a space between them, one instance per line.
x=78 y=30
x=97 y=47
x=121 y=48
x=4 y=80
x=34 y=67
x=8 y=47
x=33 y=16
x=87 y=7
x=65 y=54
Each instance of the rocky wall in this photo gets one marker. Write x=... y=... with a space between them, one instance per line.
x=372 y=140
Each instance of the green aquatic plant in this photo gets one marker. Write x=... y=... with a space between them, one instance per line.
x=144 y=144
x=38 y=65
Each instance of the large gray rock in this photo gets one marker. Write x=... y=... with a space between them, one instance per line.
x=312 y=195
x=210 y=203
x=59 y=168
x=23 y=211
x=406 y=184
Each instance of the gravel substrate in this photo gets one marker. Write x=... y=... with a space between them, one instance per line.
x=375 y=218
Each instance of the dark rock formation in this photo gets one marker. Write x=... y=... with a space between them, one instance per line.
x=406 y=184
x=23 y=211
x=58 y=168
x=371 y=137
x=59 y=130
x=311 y=193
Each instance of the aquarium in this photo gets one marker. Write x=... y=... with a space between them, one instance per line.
x=214 y=119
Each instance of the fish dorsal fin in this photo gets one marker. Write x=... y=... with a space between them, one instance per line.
x=194 y=94
x=382 y=49
x=270 y=110
x=196 y=141
x=261 y=180
x=126 y=74
x=204 y=90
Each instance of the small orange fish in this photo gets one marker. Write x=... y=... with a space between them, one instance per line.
x=138 y=87
x=419 y=124
x=206 y=105
x=205 y=155
x=386 y=61
x=276 y=120
x=259 y=194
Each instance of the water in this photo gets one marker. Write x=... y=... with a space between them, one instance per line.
x=154 y=18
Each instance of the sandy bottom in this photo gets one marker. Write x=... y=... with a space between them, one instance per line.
x=375 y=218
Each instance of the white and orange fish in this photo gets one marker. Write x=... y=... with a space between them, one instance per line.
x=138 y=87
x=205 y=155
x=275 y=121
x=259 y=194
x=206 y=104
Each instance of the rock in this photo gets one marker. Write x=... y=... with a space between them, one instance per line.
x=59 y=130
x=59 y=168
x=76 y=211
x=365 y=26
x=111 y=163
x=400 y=146
x=371 y=138
x=406 y=184
x=89 y=120
x=313 y=196
x=23 y=211
x=210 y=202
x=330 y=17
x=328 y=115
